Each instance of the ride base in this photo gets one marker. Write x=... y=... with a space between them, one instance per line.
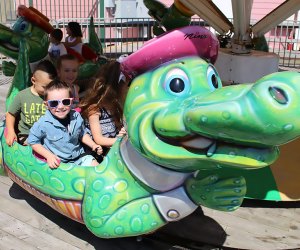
x=245 y=68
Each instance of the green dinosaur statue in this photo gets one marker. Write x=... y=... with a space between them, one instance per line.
x=168 y=18
x=27 y=42
x=94 y=41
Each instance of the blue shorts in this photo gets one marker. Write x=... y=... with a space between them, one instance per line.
x=85 y=160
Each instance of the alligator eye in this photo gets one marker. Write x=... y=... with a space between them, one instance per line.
x=177 y=82
x=177 y=85
x=23 y=26
x=213 y=78
x=278 y=94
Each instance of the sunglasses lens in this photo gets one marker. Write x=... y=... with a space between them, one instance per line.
x=53 y=103
x=66 y=102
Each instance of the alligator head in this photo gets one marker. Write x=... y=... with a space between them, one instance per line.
x=27 y=42
x=31 y=26
x=180 y=117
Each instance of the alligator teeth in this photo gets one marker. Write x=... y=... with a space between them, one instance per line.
x=197 y=143
x=9 y=46
x=211 y=150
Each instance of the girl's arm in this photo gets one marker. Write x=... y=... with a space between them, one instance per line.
x=74 y=43
x=52 y=160
x=87 y=140
x=97 y=132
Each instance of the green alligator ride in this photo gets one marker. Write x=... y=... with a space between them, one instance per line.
x=184 y=128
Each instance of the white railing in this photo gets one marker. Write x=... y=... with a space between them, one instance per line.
x=126 y=35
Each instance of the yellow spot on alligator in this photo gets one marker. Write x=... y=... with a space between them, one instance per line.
x=57 y=184
x=88 y=204
x=67 y=167
x=226 y=115
x=119 y=230
x=96 y=221
x=98 y=185
x=100 y=169
x=145 y=208
x=37 y=178
x=104 y=201
x=22 y=169
x=120 y=186
x=9 y=159
x=136 y=224
x=78 y=185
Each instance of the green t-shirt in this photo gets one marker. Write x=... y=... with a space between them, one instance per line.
x=30 y=107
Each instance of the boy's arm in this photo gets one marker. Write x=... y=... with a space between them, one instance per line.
x=52 y=160
x=87 y=140
x=10 y=125
x=13 y=111
x=35 y=138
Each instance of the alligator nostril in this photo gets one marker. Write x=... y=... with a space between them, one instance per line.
x=279 y=95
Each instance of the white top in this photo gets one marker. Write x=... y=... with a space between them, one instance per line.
x=57 y=50
x=78 y=47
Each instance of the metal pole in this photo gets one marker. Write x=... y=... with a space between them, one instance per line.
x=30 y=3
x=102 y=29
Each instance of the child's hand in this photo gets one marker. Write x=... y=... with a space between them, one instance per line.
x=97 y=149
x=122 y=132
x=10 y=138
x=53 y=161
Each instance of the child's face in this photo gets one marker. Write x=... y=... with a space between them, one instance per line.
x=68 y=71
x=68 y=31
x=59 y=96
x=40 y=80
x=52 y=39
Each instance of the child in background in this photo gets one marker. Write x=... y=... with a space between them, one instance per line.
x=28 y=104
x=57 y=48
x=74 y=38
x=103 y=105
x=57 y=135
x=67 y=71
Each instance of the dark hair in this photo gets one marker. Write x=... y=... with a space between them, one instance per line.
x=105 y=93
x=65 y=58
x=48 y=67
x=75 y=29
x=57 y=34
x=56 y=84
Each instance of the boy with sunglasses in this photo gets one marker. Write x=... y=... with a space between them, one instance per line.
x=57 y=136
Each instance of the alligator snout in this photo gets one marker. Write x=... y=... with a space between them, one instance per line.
x=266 y=113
